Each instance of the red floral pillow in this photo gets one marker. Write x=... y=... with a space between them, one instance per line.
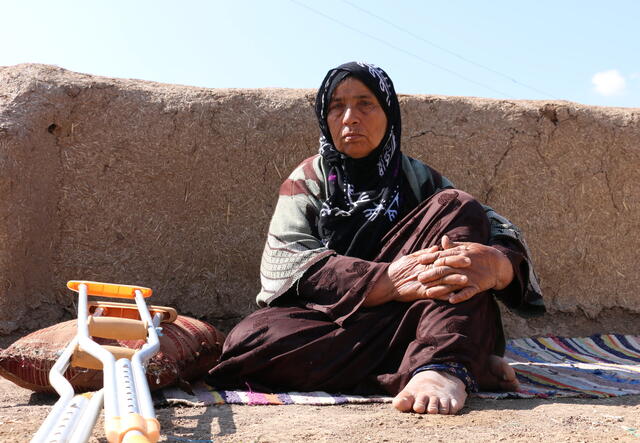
x=188 y=349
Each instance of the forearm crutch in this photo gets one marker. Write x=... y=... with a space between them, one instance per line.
x=129 y=413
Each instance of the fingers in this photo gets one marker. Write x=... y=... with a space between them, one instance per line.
x=447 y=248
x=447 y=243
x=457 y=280
x=429 y=250
x=441 y=292
x=437 y=274
x=426 y=258
x=456 y=261
x=464 y=295
x=458 y=250
x=441 y=282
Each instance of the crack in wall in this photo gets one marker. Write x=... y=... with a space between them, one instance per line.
x=610 y=190
x=496 y=167
x=429 y=131
x=604 y=170
x=538 y=147
x=549 y=112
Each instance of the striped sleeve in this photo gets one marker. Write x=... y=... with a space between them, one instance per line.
x=293 y=244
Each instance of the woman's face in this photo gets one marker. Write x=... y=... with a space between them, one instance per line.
x=356 y=120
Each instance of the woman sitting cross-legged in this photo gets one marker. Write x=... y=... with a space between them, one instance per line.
x=377 y=275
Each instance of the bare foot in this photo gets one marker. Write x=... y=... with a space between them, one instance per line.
x=498 y=376
x=432 y=392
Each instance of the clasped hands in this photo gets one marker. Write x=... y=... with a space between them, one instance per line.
x=453 y=271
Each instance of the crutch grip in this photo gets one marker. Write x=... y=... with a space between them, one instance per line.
x=117 y=328
x=129 y=310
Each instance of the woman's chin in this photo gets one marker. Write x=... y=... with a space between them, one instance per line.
x=356 y=150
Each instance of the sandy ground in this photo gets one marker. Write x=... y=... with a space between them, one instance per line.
x=575 y=420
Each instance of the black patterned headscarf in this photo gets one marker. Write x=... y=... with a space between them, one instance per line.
x=363 y=200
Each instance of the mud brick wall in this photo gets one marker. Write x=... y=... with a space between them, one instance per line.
x=172 y=187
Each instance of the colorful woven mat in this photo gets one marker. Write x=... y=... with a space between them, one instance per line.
x=547 y=367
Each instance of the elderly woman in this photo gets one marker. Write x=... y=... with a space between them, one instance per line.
x=377 y=275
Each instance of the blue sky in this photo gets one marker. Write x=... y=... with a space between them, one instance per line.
x=584 y=51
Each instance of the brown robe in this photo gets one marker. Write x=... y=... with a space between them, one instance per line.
x=324 y=339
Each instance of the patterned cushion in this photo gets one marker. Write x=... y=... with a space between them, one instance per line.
x=188 y=349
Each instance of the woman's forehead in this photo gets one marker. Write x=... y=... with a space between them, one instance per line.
x=351 y=87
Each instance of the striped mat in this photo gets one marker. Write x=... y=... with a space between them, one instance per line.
x=598 y=366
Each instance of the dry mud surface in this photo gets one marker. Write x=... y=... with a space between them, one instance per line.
x=575 y=420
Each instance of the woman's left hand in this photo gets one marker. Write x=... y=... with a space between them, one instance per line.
x=482 y=266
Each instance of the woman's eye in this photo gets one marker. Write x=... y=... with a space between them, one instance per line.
x=367 y=105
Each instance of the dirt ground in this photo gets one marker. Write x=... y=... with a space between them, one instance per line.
x=575 y=420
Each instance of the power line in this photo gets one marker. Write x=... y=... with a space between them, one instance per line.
x=397 y=48
x=422 y=39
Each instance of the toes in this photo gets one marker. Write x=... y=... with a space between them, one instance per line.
x=506 y=371
x=432 y=392
x=509 y=379
x=444 y=406
x=499 y=375
x=434 y=405
x=403 y=402
x=420 y=405
x=500 y=368
x=455 y=406
x=511 y=385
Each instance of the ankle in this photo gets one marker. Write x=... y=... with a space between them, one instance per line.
x=457 y=370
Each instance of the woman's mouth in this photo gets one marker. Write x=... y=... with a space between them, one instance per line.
x=351 y=137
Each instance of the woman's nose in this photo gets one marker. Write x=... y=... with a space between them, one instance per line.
x=350 y=116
